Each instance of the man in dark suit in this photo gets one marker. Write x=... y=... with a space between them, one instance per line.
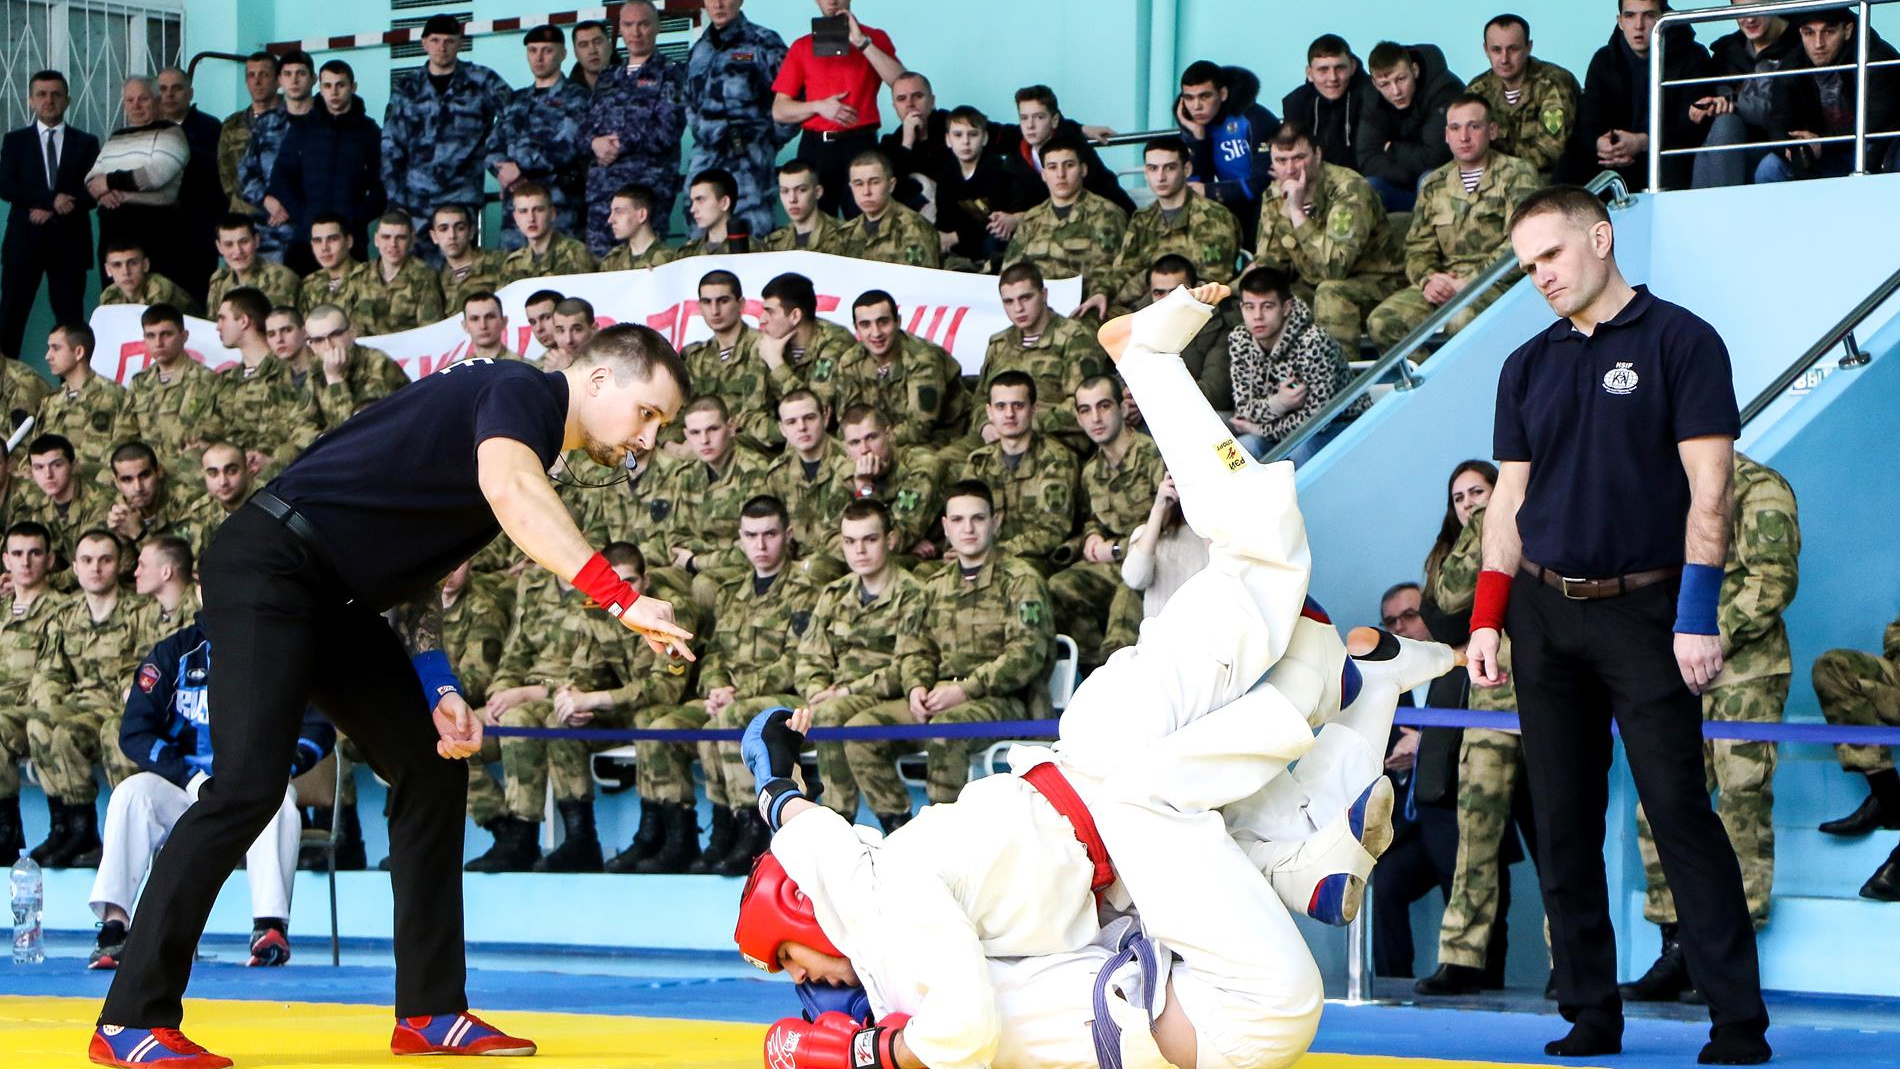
x=49 y=225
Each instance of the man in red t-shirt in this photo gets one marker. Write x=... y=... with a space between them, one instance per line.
x=834 y=99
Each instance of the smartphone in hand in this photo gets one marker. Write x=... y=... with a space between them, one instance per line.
x=831 y=37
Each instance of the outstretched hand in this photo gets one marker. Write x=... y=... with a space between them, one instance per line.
x=653 y=619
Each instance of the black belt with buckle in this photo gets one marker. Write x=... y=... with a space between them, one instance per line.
x=1577 y=589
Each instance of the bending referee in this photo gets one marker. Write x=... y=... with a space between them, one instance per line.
x=295 y=586
x=1605 y=538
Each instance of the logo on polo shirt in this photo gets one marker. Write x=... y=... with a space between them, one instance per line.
x=1621 y=379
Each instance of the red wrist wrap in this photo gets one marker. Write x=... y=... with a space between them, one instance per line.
x=599 y=581
x=1494 y=595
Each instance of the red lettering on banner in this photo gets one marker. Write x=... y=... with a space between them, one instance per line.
x=950 y=336
x=128 y=352
x=935 y=332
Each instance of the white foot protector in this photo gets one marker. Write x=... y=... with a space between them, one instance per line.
x=1324 y=876
x=1169 y=324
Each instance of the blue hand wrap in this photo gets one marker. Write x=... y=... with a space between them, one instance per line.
x=1696 y=602
x=437 y=676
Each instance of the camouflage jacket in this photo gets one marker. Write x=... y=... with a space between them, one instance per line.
x=1461 y=232
x=816 y=502
x=921 y=389
x=356 y=291
x=1117 y=499
x=206 y=515
x=1346 y=235
x=1453 y=588
x=155 y=624
x=81 y=658
x=174 y=408
x=1203 y=231
x=903 y=237
x=739 y=377
x=370 y=376
x=991 y=634
x=623 y=259
x=1084 y=243
x=646 y=106
x=234 y=136
x=157 y=289
x=1759 y=581
x=1538 y=128
x=458 y=284
x=1037 y=497
x=275 y=281
x=913 y=491
x=813 y=366
x=752 y=633
x=564 y=256
x=268 y=132
x=827 y=235
x=412 y=299
x=433 y=142
x=626 y=667
x=633 y=511
x=22 y=631
x=264 y=410
x=854 y=644
x=21 y=387
x=474 y=630
x=92 y=502
x=701 y=508
x=1063 y=357
x=550 y=618
x=96 y=418
x=729 y=76
x=539 y=131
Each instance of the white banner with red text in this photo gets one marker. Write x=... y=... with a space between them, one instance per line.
x=956 y=310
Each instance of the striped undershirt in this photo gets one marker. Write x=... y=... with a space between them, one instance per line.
x=1471 y=178
x=1512 y=96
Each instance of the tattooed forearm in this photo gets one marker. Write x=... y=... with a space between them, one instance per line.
x=418 y=622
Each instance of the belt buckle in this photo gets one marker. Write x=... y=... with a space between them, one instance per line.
x=1565 y=588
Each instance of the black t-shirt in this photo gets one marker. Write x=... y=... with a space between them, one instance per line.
x=393 y=489
x=1598 y=417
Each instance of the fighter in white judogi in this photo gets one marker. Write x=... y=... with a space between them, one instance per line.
x=1161 y=750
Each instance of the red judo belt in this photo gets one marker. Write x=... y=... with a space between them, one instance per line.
x=1054 y=786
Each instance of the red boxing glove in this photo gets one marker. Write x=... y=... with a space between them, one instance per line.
x=599 y=581
x=1493 y=597
x=833 y=1041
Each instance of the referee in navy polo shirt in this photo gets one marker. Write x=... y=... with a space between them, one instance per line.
x=1603 y=553
x=296 y=583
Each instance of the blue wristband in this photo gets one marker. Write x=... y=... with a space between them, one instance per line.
x=1696 y=603
x=438 y=678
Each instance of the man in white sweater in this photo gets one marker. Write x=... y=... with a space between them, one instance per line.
x=136 y=180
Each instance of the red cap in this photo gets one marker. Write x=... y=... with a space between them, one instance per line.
x=772 y=912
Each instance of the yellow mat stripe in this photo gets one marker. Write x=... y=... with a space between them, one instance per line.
x=52 y=1033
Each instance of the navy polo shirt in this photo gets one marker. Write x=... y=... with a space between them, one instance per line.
x=393 y=489
x=1598 y=418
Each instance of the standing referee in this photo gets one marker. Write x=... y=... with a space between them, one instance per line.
x=1603 y=554
x=369 y=519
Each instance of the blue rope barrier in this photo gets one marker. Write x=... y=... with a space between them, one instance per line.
x=1819 y=734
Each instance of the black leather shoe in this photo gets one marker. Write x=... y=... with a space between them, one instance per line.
x=1735 y=1045
x=1884 y=884
x=1452 y=980
x=1869 y=818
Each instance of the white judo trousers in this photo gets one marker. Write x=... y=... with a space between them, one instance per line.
x=140 y=817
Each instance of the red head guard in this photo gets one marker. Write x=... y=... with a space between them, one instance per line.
x=773 y=911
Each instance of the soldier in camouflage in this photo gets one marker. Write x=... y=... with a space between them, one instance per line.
x=131 y=280
x=168 y=601
x=151 y=502
x=1118 y=489
x=887 y=231
x=228 y=485
x=21 y=387
x=1459 y=226
x=914 y=380
x=537 y=138
x=234 y=136
x=847 y=661
x=1032 y=480
x=795 y=344
x=1074 y=232
x=60 y=499
x=809 y=228
x=474 y=626
x=263 y=411
x=633 y=127
x=1535 y=103
x=1179 y=221
x=1859 y=689
x=979 y=652
x=908 y=483
x=759 y=615
x=340 y=278
x=728 y=366
x=1758 y=584
x=88 y=653
x=815 y=479
x=710 y=199
x=242 y=266
x=696 y=506
x=175 y=398
x=87 y=409
x=1059 y=353
x=407 y=293
x=1325 y=227
x=636 y=246
x=729 y=76
x=297 y=78
x=467 y=268
x=434 y=140
x=349 y=376
x=25 y=614
x=544 y=249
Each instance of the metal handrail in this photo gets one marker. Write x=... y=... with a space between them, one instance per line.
x=1139 y=137
x=191 y=68
x=1841 y=332
x=1399 y=356
x=1657 y=85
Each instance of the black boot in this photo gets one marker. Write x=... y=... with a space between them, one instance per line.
x=1666 y=979
x=312 y=858
x=1884 y=884
x=580 y=845
x=58 y=826
x=82 y=846
x=12 y=837
x=753 y=838
x=646 y=839
x=1742 y=1043
x=1880 y=809
x=514 y=851
x=349 y=841
x=1451 y=980
x=718 y=844
x=890 y=822
x=678 y=851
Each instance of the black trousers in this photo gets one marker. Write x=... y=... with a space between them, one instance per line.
x=20 y=285
x=832 y=160
x=1423 y=858
x=282 y=636
x=1578 y=664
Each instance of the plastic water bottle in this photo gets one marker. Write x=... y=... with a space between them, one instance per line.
x=29 y=948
